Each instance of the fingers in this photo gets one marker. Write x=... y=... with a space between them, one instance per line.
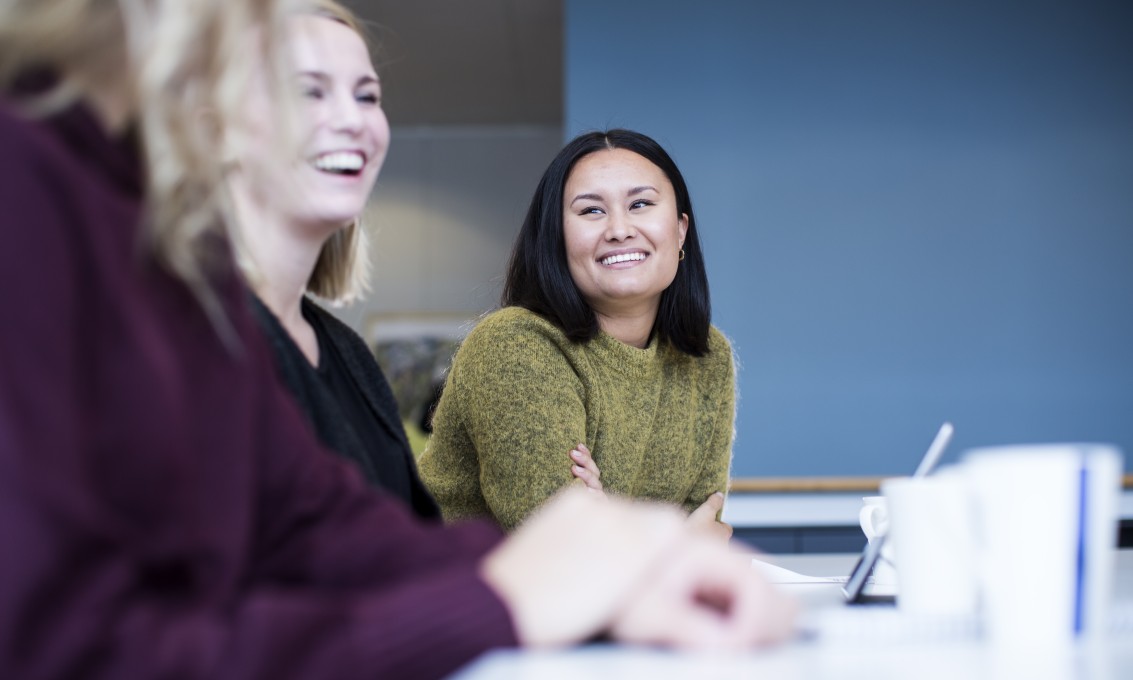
x=704 y=518
x=585 y=468
x=706 y=598
x=536 y=570
x=662 y=582
x=708 y=510
x=743 y=609
x=720 y=530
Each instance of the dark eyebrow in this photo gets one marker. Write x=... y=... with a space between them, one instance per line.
x=588 y=197
x=632 y=192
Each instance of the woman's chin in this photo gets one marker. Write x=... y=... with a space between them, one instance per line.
x=626 y=301
x=331 y=221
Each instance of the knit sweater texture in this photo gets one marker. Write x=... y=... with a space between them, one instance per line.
x=520 y=395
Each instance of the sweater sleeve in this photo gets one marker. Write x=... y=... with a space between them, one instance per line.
x=721 y=398
x=343 y=584
x=523 y=406
x=382 y=592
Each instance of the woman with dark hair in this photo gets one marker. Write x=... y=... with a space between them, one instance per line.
x=603 y=344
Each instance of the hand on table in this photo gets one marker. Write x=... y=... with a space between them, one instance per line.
x=581 y=566
x=566 y=571
x=704 y=597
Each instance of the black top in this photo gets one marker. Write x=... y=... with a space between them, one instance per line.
x=389 y=472
x=349 y=403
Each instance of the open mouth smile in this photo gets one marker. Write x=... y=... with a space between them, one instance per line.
x=618 y=258
x=348 y=163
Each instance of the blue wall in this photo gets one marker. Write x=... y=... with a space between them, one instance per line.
x=912 y=211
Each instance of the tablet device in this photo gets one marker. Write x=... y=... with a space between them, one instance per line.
x=854 y=587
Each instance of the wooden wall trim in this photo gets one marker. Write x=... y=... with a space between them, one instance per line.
x=816 y=484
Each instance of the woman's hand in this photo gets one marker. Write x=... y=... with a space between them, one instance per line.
x=585 y=468
x=581 y=566
x=705 y=597
x=566 y=571
x=703 y=519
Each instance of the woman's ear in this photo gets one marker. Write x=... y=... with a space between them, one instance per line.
x=682 y=228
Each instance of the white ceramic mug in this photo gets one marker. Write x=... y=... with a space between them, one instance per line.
x=931 y=532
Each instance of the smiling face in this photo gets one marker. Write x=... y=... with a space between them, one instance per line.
x=342 y=132
x=623 y=231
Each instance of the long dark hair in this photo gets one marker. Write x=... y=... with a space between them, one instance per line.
x=539 y=279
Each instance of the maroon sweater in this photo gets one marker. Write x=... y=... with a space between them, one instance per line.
x=164 y=510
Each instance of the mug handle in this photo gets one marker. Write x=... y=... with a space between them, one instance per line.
x=867 y=520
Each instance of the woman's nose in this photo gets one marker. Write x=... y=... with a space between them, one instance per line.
x=346 y=114
x=619 y=227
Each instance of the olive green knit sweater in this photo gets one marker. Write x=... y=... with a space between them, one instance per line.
x=520 y=396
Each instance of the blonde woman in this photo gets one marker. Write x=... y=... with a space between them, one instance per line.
x=164 y=509
x=299 y=236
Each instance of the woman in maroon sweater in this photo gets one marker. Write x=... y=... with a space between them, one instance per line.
x=164 y=509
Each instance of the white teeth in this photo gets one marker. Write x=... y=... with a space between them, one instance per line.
x=624 y=257
x=340 y=161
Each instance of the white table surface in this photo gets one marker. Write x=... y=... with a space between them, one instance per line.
x=867 y=643
x=796 y=510
x=1110 y=660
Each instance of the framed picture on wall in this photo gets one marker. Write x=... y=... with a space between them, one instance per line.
x=415 y=350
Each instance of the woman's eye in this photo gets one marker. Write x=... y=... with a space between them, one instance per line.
x=592 y=210
x=311 y=92
x=639 y=204
x=368 y=98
